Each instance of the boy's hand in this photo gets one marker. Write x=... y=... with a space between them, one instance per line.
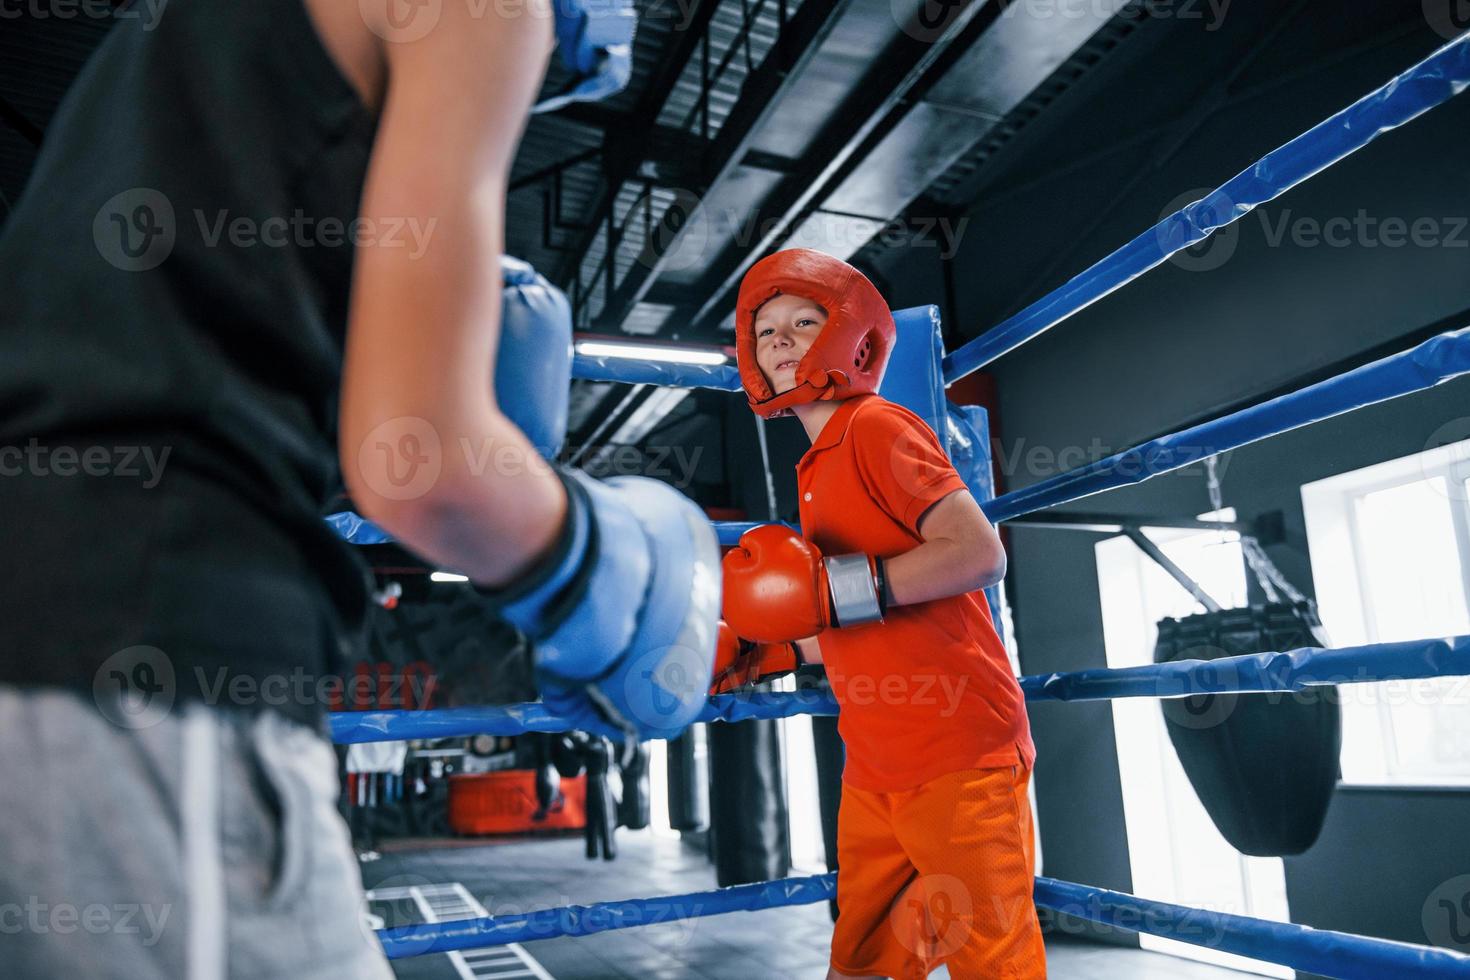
x=739 y=662
x=779 y=588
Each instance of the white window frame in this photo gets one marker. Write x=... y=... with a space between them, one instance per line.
x=1334 y=540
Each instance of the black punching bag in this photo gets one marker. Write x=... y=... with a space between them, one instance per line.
x=747 y=795
x=688 y=781
x=634 y=808
x=602 y=813
x=1264 y=765
x=830 y=759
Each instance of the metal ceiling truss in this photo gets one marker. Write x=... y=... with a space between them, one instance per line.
x=709 y=97
x=911 y=63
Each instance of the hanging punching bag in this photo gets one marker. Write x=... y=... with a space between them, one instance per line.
x=688 y=778
x=602 y=807
x=634 y=809
x=827 y=745
x=1264 y=765
x=747 y=795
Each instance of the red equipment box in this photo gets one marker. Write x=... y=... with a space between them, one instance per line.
x=503 y=803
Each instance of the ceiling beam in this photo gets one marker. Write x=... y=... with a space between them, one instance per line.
x=797 y=45
x=637 y=129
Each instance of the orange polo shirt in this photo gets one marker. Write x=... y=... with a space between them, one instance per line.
x=929 y=690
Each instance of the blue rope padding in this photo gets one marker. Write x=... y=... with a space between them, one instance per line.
x=1332 y=954
x=1294 y=670
x=627 y=370
x=584 y=920
x=729 y=531
x=1433 y=81
x=514 y=719
x=1433 y=362
x=356 y=529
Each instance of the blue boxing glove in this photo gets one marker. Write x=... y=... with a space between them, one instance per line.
x=622 y=613
x=533 y=369
x=595 y=38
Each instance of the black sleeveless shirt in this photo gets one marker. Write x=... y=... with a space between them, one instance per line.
x=173 y=298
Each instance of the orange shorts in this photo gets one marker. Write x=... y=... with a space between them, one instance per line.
x=942 y=873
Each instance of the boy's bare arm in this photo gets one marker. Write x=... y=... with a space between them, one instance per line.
x=810 y=652
x=424 y=328
x=961 y=553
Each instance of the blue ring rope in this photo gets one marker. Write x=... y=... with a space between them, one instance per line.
x=1293 y=670
x=1332 y=954
x=584 y=920
x=1433 y=362
x=1433 y=81
x=1335 y=954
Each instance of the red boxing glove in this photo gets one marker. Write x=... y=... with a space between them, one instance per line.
x=779 y=588
x=739 y=662
x=727 y=651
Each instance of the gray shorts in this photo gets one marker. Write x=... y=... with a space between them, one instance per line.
x=205 y=845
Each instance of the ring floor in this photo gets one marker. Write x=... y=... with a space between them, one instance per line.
x=775 y=944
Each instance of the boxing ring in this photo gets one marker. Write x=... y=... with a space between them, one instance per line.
x=1414 y=92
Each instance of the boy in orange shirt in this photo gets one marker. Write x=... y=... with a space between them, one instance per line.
x=934 y=834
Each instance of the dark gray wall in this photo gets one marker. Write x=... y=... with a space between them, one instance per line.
x=1181 y=345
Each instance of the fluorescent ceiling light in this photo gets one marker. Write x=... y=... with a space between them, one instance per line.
x=447 y=577
x=648 y=352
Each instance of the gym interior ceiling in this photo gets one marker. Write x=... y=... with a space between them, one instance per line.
x=853 y=126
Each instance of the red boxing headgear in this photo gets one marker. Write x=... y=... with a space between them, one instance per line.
x=849 y=355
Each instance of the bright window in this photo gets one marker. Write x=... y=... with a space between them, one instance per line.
x=804 y=809
x=1175 y=853
x=1391 y=557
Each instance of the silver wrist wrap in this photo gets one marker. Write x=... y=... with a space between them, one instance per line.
x=854 y=593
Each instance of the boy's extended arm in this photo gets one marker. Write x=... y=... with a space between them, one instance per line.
x=961 y=553
x=424 y=326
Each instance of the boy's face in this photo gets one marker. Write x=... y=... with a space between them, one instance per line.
x=785 y=327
